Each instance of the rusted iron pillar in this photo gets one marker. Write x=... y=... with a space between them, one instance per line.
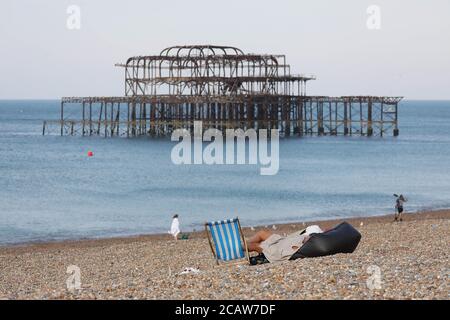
x=287 y=108
x=345 y=117
x=381 y=119
x=90 y=118
x=321 y=129
x=84 y=120
x=128 y=120
x=100 y=118
x=62 y=117
x=105 y=121
x=350 y=120
x=396 y=131
x=369 y=118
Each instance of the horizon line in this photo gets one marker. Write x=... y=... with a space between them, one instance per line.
x=56 y=99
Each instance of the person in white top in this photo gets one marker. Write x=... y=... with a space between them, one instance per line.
x=175 y=227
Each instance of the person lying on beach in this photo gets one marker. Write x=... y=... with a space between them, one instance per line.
x=278 y=248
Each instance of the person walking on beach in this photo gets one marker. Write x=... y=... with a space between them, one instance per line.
x=175 y=227
x=399 y=201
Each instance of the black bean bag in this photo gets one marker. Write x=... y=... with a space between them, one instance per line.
x=341 y=239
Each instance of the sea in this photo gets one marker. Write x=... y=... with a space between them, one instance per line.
x=51 y=190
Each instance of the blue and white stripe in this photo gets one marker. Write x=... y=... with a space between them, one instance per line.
x=227 y=239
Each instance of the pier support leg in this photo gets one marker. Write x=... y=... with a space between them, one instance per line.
x=90 y=118
x=300 y=116
x=346 y=118
x=62 y=118
x=396 y=131
x=369 y=119
x=320 y=128
x=84 y=120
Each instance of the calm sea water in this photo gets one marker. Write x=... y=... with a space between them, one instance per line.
x=51 y=190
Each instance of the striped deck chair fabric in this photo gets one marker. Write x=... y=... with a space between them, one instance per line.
x=227 y=243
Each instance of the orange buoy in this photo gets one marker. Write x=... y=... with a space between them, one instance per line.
x=90 y=153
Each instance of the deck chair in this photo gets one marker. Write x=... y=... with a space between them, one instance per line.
x=227 y=241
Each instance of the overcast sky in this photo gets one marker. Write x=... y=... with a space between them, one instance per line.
x=409 y=55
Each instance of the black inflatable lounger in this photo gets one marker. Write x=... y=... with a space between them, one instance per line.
x=341 y=239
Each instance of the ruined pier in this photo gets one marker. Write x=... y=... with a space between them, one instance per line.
x=224 y=88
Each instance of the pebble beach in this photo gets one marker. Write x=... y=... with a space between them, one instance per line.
x=394 y=260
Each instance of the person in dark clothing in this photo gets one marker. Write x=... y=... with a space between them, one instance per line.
x=399 y=201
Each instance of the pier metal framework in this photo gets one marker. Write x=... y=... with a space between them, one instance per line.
x=224 y=88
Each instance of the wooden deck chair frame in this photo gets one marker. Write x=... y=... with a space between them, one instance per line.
x=232 y=262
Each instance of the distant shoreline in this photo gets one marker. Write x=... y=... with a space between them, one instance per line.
x=280 y=228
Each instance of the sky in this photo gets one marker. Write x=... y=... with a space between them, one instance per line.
x=402 y=51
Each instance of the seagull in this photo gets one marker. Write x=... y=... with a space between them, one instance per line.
x=361 y=224
x=251 y=228
x=274 y=227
